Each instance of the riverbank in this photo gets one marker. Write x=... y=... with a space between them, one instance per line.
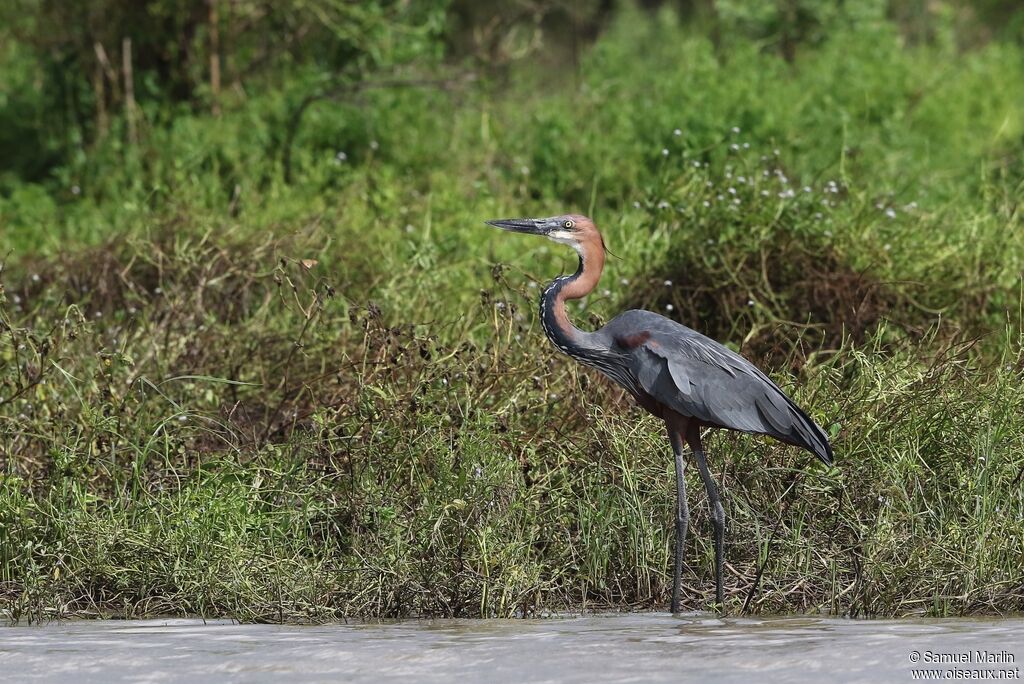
x=226 y=393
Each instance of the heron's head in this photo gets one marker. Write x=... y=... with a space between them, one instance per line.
x=579 y=232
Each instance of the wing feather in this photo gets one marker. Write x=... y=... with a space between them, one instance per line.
x=698 y=377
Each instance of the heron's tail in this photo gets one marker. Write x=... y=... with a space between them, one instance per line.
x=783 y=419
x=808 y=435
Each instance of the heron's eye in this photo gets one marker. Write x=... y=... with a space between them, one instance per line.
x=568 y=224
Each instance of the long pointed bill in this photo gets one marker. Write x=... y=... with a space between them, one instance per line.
x=531 y=226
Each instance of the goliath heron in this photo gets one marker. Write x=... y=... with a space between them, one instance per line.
x=675 y=373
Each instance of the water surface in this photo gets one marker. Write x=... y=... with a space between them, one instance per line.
x=640 y=647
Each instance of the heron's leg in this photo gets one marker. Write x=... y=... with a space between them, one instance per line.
x=717 y=519
x=682 y=514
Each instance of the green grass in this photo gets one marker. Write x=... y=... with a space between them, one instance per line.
x=226 y=394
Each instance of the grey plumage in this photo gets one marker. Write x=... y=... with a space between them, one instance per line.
x=700 y=378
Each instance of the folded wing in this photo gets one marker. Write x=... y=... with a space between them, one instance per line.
x=698 y=377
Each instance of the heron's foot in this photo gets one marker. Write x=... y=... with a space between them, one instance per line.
x=719 y=608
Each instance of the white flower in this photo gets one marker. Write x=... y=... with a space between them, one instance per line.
x=696 y=164
x=340 y=157
x=374 y=145
x=664 y=152
x=677 y=132
x=735 y=129
x=890 y=212
x=668 y=283
x=669 y=307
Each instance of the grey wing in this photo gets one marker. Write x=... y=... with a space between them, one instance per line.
x=698 y=377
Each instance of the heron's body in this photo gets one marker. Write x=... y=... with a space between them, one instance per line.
x=686 y=379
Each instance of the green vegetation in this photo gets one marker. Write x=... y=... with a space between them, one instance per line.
x=260 y=357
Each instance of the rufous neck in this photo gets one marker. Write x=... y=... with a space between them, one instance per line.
x=554 y=317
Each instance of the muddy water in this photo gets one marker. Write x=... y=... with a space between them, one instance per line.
x=640 y=647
